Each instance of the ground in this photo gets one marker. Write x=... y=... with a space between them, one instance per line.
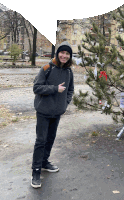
x=91 y=167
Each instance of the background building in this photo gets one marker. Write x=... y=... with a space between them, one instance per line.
x=74 y=30
x=71 y=30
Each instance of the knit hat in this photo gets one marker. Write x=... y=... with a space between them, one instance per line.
x=64 y=46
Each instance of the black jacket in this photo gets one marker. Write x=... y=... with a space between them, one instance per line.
x=48 y=101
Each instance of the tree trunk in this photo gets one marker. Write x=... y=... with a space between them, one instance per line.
x=15 y=28
x=53 y=51
x=103 y=26
x=53 y=47
x=28 y=35
x=34 y=46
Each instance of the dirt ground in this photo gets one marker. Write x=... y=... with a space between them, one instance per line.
x=91 y=161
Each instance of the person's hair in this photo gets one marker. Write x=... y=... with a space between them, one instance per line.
x=67 y=64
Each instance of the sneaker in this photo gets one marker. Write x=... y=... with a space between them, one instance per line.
x=36 y=180
x=50 y=168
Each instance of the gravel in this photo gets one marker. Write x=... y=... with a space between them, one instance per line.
x=16 y=92
x=25 y=80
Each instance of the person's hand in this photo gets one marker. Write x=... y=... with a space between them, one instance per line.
x=61 y=88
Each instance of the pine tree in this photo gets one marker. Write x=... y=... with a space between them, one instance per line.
x=104 y=73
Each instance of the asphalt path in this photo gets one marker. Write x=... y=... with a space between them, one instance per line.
x=95 y=177
x=19 y=71
x=43 y=60
x=78 y=179
x=86 y=172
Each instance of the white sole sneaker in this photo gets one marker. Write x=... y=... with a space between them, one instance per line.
x=35 y=186
x=49 y=170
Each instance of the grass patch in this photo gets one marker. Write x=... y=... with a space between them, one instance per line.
x=8 y=86
x=15 y=119
x=47 y=58
x=27 y=117
x=94 y=134
x=4 y=124
x=7 y=118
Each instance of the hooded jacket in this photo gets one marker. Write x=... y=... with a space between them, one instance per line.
x=48 y=101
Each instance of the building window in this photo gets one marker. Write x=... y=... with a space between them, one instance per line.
x=120 y=29
x=81 y=42
x=82 y=31
x=22 y=30
x=8 y=39
x=75 y=31
x=74 y=42
x=107 y=40
x=106 y=29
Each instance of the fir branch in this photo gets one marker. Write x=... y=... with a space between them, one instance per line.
x=121 y=41
x=102 y=89
x=94 y=106
x=121 y=13
x=116 y=100
x=120 y=56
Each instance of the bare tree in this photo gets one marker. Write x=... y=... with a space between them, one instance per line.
x=34 y=46
x=28 y=28
x=12 y=23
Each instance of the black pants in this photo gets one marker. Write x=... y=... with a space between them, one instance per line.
x=46 y=129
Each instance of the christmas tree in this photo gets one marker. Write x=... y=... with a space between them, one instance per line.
x=104 y=72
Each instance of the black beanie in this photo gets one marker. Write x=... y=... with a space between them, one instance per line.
x=64 y=47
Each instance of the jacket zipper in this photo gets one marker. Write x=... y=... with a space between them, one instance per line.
x=60 y=82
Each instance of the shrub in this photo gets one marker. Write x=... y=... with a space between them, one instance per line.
x=15 y=51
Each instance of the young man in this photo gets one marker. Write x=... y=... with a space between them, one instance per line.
x=53 y=94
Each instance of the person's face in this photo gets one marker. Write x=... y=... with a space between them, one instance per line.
x=63 y=56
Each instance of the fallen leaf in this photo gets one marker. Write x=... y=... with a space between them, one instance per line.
x=19 y=113
x=115 y=192
x=6 y=145
x=93 y=142
x=84 y=156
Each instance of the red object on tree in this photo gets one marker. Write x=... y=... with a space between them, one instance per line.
x=103 y=73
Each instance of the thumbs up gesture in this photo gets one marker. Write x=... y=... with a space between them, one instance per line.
x=61 y=88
